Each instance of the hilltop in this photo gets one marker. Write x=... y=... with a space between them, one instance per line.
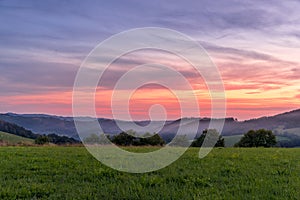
x=284 y=124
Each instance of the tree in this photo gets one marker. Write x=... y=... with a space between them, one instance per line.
x=128 y=138
x=144 y=140
x=123 y=139
x=42 y=139
x=220 y=142
x=209 y=133
x=258 y=138
x=153 y=140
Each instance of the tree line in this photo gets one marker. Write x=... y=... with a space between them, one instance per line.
x=131 y=138
x=253 y=138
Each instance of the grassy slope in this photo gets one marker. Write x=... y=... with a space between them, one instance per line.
x=14 y=139
x=226 y=173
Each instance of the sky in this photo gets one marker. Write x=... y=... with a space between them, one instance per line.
x=255 y=44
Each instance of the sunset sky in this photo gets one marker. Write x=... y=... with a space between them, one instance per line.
x=255 y=44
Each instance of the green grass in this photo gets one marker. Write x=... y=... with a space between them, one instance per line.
x=226 y=173
x=14 y=139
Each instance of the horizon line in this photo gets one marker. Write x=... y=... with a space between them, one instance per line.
x=190 y=117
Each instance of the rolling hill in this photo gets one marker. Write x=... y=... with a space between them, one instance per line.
x=284 y=125
x=7 y=138
x=19 y=131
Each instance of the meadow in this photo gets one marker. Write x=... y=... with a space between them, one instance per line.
x=226 y=173
x=11 y=139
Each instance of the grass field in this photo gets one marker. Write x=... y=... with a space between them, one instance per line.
x=226 y=173
x=14 y=139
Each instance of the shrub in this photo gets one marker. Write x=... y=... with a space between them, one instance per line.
x=40 y=140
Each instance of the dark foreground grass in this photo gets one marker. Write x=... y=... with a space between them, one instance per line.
x=226 y=173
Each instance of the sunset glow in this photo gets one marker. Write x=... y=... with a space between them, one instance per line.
x=258 y=58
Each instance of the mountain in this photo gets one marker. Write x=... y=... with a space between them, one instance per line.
x=282 y=124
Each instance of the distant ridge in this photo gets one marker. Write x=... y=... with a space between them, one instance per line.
x=289 y=112
x=284 y=123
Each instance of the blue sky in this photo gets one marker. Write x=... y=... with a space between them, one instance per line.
x=44 y=42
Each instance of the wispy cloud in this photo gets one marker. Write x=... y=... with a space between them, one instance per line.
x=255 y=44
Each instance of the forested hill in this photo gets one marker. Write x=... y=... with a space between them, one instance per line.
x=16 y=130
x=20 y=131
x=287 y=124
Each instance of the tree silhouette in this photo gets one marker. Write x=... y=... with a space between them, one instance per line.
x=209 y=132
x=258 y=138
